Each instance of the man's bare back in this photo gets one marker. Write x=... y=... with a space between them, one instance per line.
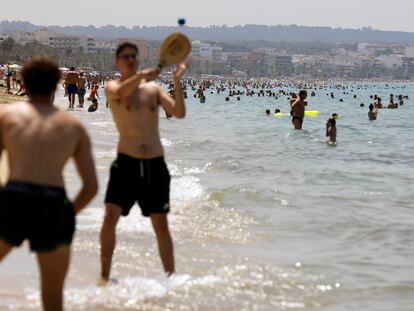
x=137 y=122
x=82 y=82
x=72 y=77
x=39 y=141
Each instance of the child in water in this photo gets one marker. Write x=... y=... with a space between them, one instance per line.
x=331 y=128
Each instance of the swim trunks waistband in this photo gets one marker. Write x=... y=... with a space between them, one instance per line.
x=35 y=186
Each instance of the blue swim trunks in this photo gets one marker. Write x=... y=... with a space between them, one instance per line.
x=72 y=89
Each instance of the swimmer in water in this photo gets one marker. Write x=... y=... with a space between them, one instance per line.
x=139 y=174
x=372 y=115
x=331 y=128
x=298 y=108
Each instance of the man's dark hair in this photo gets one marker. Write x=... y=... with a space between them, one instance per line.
x=126 y=45
x=72 y=68
x=41 y=76
x=303 y=93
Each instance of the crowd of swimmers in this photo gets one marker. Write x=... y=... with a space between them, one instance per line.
x=236 y=89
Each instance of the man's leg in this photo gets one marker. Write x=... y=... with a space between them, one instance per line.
x=73 y=100
x=297 y=125
x=4 y=249
x=165 y=244
x=53 y=268
x=108 y=238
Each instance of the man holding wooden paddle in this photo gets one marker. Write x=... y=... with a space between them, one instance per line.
x=139 y=174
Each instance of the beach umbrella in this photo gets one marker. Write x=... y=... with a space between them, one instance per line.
x=63 y=69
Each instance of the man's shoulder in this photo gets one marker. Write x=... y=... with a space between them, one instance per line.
x=69 y=121
x=67 y=116
x=112 y=84
x=14 y=108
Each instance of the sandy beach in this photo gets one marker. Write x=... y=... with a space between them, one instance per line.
x=7 y=99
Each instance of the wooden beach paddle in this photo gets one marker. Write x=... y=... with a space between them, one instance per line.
x=175 y=48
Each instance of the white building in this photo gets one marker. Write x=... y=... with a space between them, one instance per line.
x=205 y=50
x=21 y=36
x=60 y=41
x=408 y=67
x=390 y=61
x=409 y=52
x=109 y=46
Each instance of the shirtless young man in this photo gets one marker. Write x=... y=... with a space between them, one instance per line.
x=40 y=139
x=81 y=89
x=298 y=109
x=71 y=84
x=139 y=174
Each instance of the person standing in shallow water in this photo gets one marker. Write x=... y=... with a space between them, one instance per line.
x=40 y=139
x=331 y=128
x=139 y=174
x=372 y=115
x=298 y=110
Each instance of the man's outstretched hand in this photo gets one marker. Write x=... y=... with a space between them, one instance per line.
x=180 y=70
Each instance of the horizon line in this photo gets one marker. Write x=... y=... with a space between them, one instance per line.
x=208 y=26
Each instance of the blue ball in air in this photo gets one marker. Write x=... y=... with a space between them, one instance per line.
x=181 y=21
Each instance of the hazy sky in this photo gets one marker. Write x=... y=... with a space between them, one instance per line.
x=380 y=14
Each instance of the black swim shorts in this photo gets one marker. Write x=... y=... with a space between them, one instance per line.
x=41 y=214
x=72 y=89
x=146 y=182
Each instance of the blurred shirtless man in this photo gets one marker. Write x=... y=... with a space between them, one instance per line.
x=81 y=89
x=139 y=174
x=71 y=83
x=40 y=139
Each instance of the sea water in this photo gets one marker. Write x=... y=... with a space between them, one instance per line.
x=263 y=217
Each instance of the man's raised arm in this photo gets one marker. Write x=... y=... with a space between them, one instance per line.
x=175 y=106
x=116 y=92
